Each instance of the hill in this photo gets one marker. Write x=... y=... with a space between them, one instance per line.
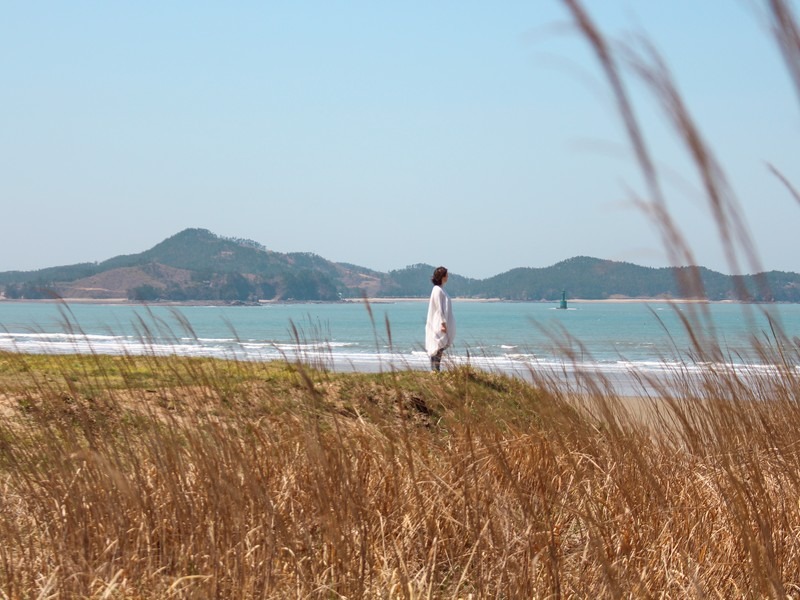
x=592 y=278
x=197 y=265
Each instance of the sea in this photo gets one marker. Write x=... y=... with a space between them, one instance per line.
x=614 y=339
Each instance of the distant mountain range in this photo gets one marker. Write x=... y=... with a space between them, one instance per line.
x=197 y=265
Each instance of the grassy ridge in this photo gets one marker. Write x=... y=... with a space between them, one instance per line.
x=149 y=477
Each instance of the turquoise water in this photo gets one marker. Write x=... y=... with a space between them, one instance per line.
x=496 y=335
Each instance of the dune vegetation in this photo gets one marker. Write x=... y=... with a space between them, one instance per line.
x=145 y=477
x=168 y=477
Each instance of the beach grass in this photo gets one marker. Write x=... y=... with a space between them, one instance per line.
x=144 y=477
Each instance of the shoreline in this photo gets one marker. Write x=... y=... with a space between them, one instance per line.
x=378 y=300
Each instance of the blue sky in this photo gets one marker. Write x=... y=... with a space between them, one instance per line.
x=480 y=136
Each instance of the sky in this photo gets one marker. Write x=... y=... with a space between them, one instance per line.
x=480 y=136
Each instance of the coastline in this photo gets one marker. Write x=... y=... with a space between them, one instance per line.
x=376 y=300
x=515 y=338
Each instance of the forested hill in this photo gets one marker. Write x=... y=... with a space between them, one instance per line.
x=197 y=265
x=592 y=278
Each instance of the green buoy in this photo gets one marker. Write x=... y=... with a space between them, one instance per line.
x=563 y=305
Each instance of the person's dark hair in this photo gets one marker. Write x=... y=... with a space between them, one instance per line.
x=439 y=274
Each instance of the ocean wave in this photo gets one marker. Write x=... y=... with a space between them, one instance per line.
x=43 y=342
x=355 y=356
x=57 y=336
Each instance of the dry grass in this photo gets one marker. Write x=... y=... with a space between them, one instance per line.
x=129 y=477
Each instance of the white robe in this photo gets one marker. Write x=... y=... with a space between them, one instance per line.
x=440 y=310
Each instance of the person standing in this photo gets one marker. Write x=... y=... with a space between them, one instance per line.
x=440 y=328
